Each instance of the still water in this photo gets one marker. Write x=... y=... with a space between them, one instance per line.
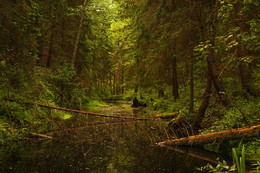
x=93 y=144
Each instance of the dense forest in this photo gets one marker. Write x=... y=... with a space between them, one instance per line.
x=196 y=58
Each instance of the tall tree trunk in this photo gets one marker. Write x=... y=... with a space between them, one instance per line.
x=62 y=33
x=210 y=56
x=122 y=79
x=211 y=62
x=73 y=60
x=175 y=86
x=191 y=105
x=246 y=80
x=245 y=72
x=196 y=125
x=50 y=51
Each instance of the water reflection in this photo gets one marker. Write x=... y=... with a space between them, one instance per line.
x=107 y=149
x=98 y=145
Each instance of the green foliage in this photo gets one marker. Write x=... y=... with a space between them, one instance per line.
x=248 y=152
x=239 y=159
x=222 y=167
x=252 y=152
x=7 y=133
x=160 y=104
x=256 y=167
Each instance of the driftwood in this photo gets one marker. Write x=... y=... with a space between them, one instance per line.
x=253 y=131
x=79 y=111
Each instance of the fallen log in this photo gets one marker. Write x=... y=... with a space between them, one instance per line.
x=253 y=131
x=79 y=111
x=167 y=115
x=37 y=135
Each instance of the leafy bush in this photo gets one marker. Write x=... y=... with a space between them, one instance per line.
x=160 y=104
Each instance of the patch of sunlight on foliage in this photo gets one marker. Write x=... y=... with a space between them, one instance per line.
x=66 y=116
x=57 y=114
x=94 y=104
x=119 y=24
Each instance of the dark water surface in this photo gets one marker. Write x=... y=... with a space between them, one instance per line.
x=99 y=146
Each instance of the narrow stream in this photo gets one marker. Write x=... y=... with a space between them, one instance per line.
x=92 y=144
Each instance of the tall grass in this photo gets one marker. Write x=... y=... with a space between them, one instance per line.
x=239 y=159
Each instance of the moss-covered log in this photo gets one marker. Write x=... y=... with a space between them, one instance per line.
x=253 y=131
x=167 y=115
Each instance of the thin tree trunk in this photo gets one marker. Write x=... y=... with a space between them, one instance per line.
x=211 y=62
x=175 y=87
x=62 y=33
x=212 y=78
x=122 y=79
x=73 y=60
x=191 y=106
x=246 y=82
x=246 y=75
x=50 y=51
x=203 y=106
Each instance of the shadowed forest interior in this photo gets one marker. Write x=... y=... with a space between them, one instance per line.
x=181 y=67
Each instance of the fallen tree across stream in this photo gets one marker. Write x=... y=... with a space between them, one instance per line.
x=253 y=131
x=79 y=111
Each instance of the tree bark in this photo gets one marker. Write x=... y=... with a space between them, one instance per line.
x=240 y=133
x=50 y=51
x=212 y=78
x=196 y=125
x=245 y=74
x=191 y=105
x=246 y=80
x=175 y=86
x=211 y=62
x=210 y=56
x=73 y=60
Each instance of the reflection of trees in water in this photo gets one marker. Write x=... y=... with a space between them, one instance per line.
x=99 y=145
